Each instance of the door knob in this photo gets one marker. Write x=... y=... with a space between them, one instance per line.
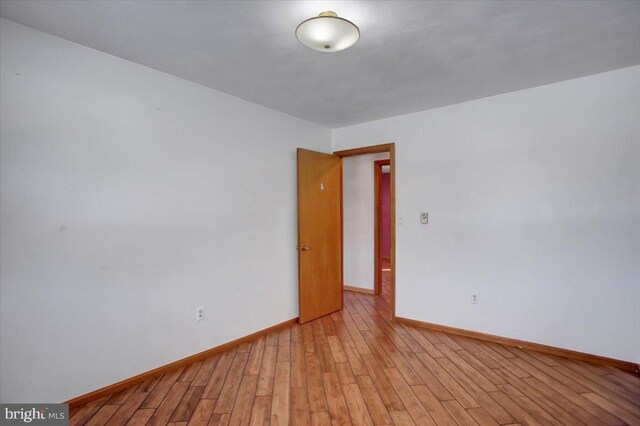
x=303 y=248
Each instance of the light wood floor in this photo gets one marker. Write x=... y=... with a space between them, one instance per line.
x=356 y=367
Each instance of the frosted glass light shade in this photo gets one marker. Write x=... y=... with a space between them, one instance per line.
x=327 y=33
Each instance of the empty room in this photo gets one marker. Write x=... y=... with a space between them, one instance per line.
x=319 y=212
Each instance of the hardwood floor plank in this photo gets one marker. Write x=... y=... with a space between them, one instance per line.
x=300 y=409
x=479 y=366
x=103 y=415
x=267 y=371
x=220 y=419
x=272 y=339
x=126 y=410
x=261 y=410
x=241 y=412
x=472 y=346
x=427 y=377
x=613 y=408
x=245 y=347
x=547 y=359
x=232 y=384
x=280 y=405
x=345 y=375
x=375 y=405
x=329 y=326
x=430 y=335
x=576 y=398
x=528 y=405
x=454 y=388
x=336 y=349
x=550 y=371
x=574 y=404
x=549 y=406
x=625 y=376
x=634 y=389
x=418 y=413
x=401 y=418
x=358 y=340
x=378 y=351
x=121 y=397
x=218 y=377
x=87 y=411
x=203 y=412
x=141 y=417
x=514 y=409
x=188 y=404
x=602 y=387
x=399 y=361
x=190 y=372
x=481 y=417
x=327 y=365
x=435 y=409
x=284 y=345
x=448 y=341
x=321 y=419
x=298 y=374
x=356 y=405
x=460 y=415
x=359 y=322
x=315 y=384
x=340 y=327
x=503 y=350
x=466 y=368
x=255 y=357
x=309 y=340
x=335 y=399
x=400 y=338
x=169 y=403
x=149 y=384
x=353 y=357
x=161 y=390
x=424 y=343
x=206 y=369
x=495 y=410
x=319 y=333
x=391 y=399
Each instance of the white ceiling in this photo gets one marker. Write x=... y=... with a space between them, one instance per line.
x=411 y=56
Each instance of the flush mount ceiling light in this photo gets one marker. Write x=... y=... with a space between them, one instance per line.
x=327 y=33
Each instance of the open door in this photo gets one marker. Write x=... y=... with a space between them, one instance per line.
x=319 y=234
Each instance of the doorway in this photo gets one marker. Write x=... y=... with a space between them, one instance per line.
x=383 y=252
x=382 y=223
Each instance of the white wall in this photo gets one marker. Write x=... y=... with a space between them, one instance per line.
x=358 y=204
x=129 y=198
x=534 y=202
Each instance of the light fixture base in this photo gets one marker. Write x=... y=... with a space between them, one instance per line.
x=329 y=13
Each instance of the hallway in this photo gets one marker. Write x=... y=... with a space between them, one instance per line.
x=357 y=367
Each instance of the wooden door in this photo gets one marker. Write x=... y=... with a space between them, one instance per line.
x=319 y=234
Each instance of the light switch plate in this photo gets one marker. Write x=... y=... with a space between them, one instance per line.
x=424 y=218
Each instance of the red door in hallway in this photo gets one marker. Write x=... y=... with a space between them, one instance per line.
x=319 y=234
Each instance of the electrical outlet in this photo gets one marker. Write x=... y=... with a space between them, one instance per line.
x=424 y=218
x=475 y=299
x=200 y=313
